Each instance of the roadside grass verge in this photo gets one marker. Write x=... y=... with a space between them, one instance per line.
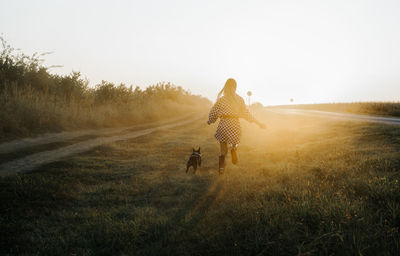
x=305 y=186
x=366 y=108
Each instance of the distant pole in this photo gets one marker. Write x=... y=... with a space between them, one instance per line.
x=249 y=93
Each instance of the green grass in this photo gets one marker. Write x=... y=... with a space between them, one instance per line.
x=303 y=187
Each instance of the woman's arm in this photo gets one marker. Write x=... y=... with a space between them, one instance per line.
x=249 y=117
x=214 y=113
x=261 y=125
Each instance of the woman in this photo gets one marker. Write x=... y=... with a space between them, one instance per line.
x=229 y=108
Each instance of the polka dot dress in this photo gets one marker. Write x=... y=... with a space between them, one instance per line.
x=229 y=130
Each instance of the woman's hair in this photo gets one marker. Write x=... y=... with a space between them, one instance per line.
x=229 y=91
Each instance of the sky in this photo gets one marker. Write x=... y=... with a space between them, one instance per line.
x=316 y=51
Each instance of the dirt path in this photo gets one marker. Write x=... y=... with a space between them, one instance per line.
x=341 y=116
x=48 y=138
x=33 y=161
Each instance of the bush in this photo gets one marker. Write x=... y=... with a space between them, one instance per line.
x=35 y=101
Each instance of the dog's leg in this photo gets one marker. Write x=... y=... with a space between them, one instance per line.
x=187 y=167
x=234 y=154
x=195 y=167
x=221 y=164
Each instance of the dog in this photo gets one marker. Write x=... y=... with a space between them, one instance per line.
x=194 y=160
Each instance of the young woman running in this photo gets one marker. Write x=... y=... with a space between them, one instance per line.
x=229 y=108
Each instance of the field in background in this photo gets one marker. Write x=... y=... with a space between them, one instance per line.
x=304 y=186
x=366 y=108
x=34 y=101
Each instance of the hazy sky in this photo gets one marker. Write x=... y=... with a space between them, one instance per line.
x=312 y=51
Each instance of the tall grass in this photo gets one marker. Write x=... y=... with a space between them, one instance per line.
x=34 y=100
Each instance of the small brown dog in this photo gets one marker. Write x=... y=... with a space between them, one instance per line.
x=194 y=160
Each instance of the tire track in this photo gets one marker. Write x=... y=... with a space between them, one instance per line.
x=16 y=145
x=33 y=161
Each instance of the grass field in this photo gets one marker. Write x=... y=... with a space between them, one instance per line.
x=365 y=108
x=302 y=187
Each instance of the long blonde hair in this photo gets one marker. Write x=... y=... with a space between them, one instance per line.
x=229 y=91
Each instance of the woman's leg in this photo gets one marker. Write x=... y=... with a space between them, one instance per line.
x=234 y=153
x=224 y=148
x=224 y=151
